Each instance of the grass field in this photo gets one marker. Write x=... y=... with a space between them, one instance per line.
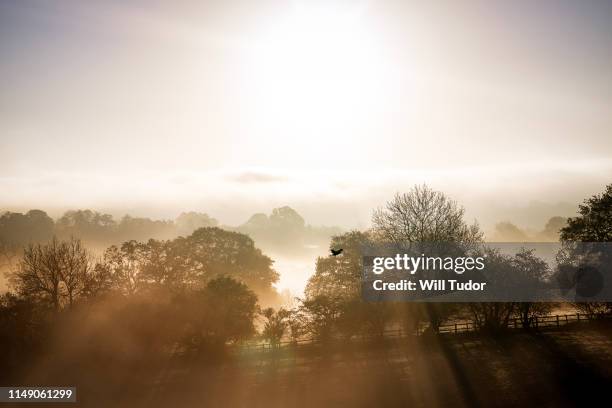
x=567 y=367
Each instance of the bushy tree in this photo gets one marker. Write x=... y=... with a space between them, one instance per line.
x=577 y=256
x=533 y=271
x=275 y=325
x=321 y=315
x=494 y=316
x=189 y=263
x=212 y=252
x=340 y=276
x=17 y=229
x=594 y=224
x=221 y=313
x=87 y=225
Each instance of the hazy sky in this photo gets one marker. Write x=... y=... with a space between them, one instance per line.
x=232 y=107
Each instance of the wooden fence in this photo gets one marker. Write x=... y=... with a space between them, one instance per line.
x=515 y=323
x=538 y=322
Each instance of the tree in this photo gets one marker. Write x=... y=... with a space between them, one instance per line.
x=17 y=229
x=423 y=217
x=275 y=325
x=137 y=228
x=286 y=218
x=188 y=222
x=124 y=264
x=221 y=313
x=56 y=273
x=494 y=316
x=577 y=255
x=21 y=327
x=321 y=316
x=212 y=252
x=533 y=271
x=189 y=263
x=340 y=276
x=594 y=224
x=594 y=310
x=87 y=225
x=8 y=255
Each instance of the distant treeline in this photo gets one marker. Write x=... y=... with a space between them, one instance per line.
x=94 y=227
x=284 y=228
x=506 y=231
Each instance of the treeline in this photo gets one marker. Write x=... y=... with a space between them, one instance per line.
x=283 y=230
x=286 y=231
x=94 y=228
x=508 y=232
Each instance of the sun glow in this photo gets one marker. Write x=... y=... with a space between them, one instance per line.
x=318 y=72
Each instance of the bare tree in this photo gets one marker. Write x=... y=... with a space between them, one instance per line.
x=58 y=272
x=76 y=267
x=423 y=215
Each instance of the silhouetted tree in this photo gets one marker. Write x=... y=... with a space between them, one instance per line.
x=212 y=252
x=20 y=229
x=321 y=316
x=87 y=225
x=57 y=273
x=340 y=276
x=221 y=313
x=296 y=323
x=594 y=310
x=533 y=271
x=593 y=225
x=22 y=324
x=494 y=316
x=189 y=263
x=275 y=325
x=425 y=216
x=125 y=264
x=8 y=255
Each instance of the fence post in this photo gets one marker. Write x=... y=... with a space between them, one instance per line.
x=578 y=316
x=557 y=320
x=514 y=322
x=565 y=318
x=536 y=322
x=455 y=328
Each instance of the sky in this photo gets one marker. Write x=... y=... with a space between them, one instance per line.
x=235 y=107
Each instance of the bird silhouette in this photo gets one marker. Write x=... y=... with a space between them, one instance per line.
x=336 y=252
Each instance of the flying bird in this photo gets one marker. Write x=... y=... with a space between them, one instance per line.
x=336 y=252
